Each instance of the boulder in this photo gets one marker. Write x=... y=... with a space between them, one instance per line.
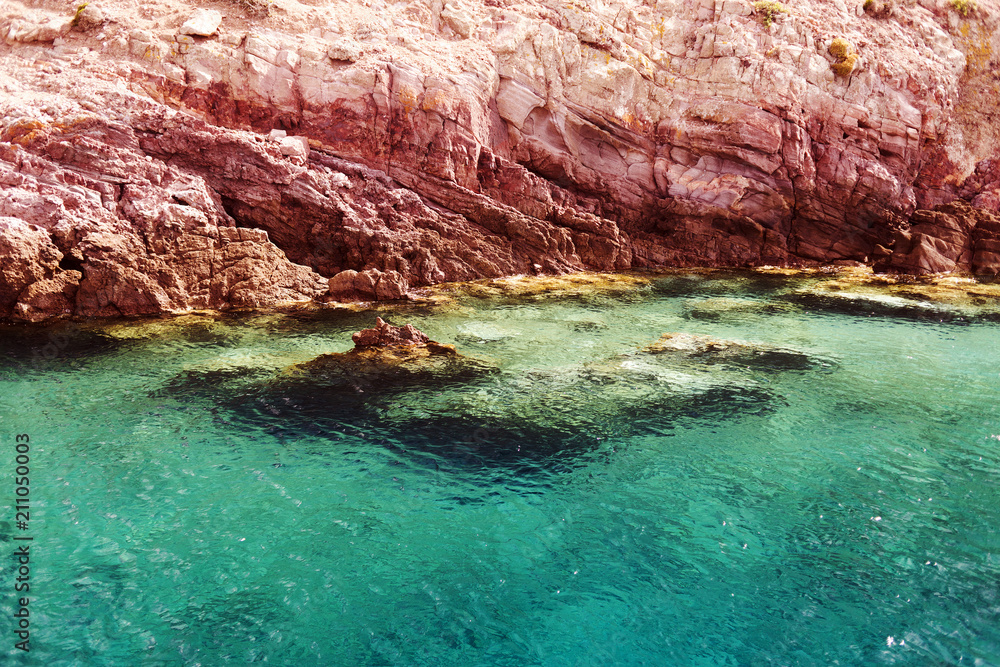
x=294 y=147
x=158 y=241
x=203 y=23
x=29 y=256
x=388 y=359
x=384 y=334
x=369 y=284
x=344 y=50
x=88 y=17
x=953 y=237
x=47 y=298
x=47 y=31
x=922 y=253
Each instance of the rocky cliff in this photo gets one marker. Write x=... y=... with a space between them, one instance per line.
x=246 y=154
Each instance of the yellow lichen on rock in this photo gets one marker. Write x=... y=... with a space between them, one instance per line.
x=767 y=11
x=840 y=48
x=846 y=57
x=533 y=286
x=846 y=66
x=964 y=7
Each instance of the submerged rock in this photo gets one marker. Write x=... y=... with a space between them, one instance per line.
x=460 y=411
x=876 y=304
x=717 y=351
x=862 y=293
x=413 y=394
x=389 y=358
x=718 y=309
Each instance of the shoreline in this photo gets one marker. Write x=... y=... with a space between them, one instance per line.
x=942 y=289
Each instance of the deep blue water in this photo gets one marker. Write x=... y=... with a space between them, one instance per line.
x=567 y=499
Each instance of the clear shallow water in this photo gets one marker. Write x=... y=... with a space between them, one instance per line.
x=579 y=503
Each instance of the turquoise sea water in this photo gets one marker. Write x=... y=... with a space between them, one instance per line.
x=570 y=500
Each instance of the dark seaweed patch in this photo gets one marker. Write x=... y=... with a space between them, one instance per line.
x=204 y=334
x=27 y=348
x=526 y=437
x=587 y=327
x=722 y=283
x=863 y=307
x=734 y=355
x=211 y=384
x=706 y=311
x=472 y=339
x=774 y=360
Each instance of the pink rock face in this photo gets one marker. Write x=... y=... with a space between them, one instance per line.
x=99 y=229
x=399 y=146
x=385 y=334
x=953 y=237
x=31 y=284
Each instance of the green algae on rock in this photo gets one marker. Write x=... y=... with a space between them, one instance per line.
x=934 y=297
x=541 y=286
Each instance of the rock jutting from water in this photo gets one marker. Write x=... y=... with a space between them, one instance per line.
x=399 y=387
x=389 y=358
x=175 y=159
x=384 y=334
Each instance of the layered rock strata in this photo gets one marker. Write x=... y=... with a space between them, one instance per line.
x=952 y=237
x=169 y=160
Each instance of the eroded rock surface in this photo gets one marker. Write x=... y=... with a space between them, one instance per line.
x=952 y=237
x=384 y=334
x=127 y=235
x=421 y=143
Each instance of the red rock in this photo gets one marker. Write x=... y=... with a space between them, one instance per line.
x=497 y=141
x=156 y=241
x=29 y=270
x=953 y=237
x=920 y=253
x=384 y=334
